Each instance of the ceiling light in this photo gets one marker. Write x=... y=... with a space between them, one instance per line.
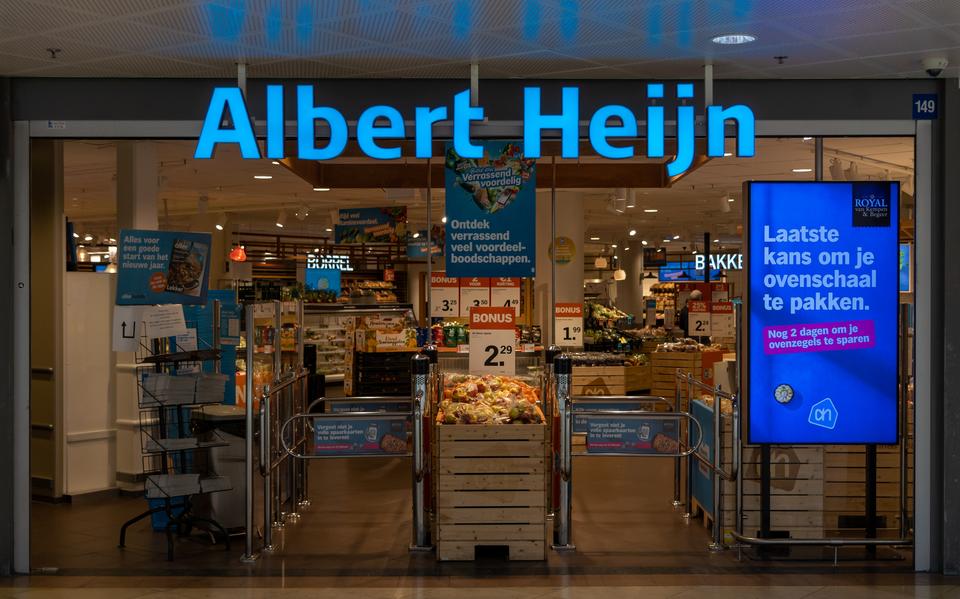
x=614 y=246
x=716 y=241
x=594 y=239
x=632 y=232
x=321 y=189
x=264 y=177
x=316 y=250
x=650 y=210
x=666 y=241
x=281 y=218
x=626 y=249
x=76 y=236
x=803 y=170
x=620 y=275
x=416 y=235
x=600 y=262
x=808 y=138
x=643 y=242
x=734 y=39
x=88 y=237
x=731 y=200
x=329 y=230
x=443 y=220
x=728 y=154
x=219 y=227
x=631 y=198
x=676 y=237
x=615 y=257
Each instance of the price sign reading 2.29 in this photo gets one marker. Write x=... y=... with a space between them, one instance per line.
x=492 y=340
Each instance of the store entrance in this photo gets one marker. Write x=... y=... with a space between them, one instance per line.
x=633 y=282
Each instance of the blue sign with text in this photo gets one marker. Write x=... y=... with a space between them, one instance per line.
x=925 y=107
x=162 y=267
x=351 y=436
x=491 y=206
x=822 y=292
x=632 y=434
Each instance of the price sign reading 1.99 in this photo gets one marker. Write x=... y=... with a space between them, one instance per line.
x=492 y=340
x=474 y=293
x=444 y=296
x=568 y=325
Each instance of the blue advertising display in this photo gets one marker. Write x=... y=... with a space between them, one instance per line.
x=632 y=434
x=350 y=436
x=322 y=279
x=822 y=290
x=906 y=268
x=371 y=225
x=686 y=271
x=162 y=267
x=491 y=212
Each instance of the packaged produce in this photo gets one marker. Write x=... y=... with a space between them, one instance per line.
x=488 y=399
x=688 y=345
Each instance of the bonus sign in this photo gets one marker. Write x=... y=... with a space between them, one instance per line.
x=492 y=339
x=822 y=312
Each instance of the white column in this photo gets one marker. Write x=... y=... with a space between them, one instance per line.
x=569 y=276
x=630 y=290
x=137 y=190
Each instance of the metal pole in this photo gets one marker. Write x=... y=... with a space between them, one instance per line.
x=289 y=463
x=737 y=431
x=818 y=159
x=553 y=257
x=420 y=369
x=426 y=317
x=248 y=475
x=549 y=409
x=266 y=466
x=904 y=414
x=305 y=467
x=216 y=333
x=562 y=523
x=717 y=459
x=689 y=459
x=676 y=461
x=277 y=353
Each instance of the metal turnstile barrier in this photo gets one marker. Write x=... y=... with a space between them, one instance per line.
x=562 y=372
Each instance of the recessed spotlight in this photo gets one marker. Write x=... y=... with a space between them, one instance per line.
x=731 y=200
x=626 y=249
x=219 y=227
x=328 y=230
x=316 y=250
x=76 y=236
x=676 y=237
x=88 y=237
x=594 y=239
x=716 y=241
x=803 y=170
x=275 y=162
x=321 y=189
x=734 y=39
x=416 y=235
x=666 y=241
x=614 y=246
x=808 y=138
x=263 y=177
x=725 y=154
x=443 y=220
x=632 y=232
x=650 y=210
x=643 y=242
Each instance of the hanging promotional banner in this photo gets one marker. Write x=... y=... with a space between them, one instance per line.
x=822 y=290
x=492 y=339
x=505 y=292
x=444 y=296
x=417 y=246
x=474 y=293
x=568 y=325
x=162 y=267
x=372 y=225
x=491 y=211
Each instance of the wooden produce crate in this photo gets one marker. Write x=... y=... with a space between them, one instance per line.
x=491 y=489
x=638 y=378
x=610 y=380
x=665 y=365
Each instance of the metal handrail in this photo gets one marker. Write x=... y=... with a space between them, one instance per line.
x=652 y=415
x=386 y=415
x=634 y=398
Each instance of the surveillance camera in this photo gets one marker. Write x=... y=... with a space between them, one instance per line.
x=935 y=65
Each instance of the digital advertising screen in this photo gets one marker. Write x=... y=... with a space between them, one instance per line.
x=823 y=265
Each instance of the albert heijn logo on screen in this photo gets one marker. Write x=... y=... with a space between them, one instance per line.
x=492 y=318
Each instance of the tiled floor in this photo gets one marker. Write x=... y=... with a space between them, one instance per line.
x=357 y=531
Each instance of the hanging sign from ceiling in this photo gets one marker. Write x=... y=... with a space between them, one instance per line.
x=612 y=128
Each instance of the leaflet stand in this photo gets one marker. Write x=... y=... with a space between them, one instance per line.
x=171 y=382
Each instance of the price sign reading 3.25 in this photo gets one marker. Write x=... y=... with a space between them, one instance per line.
x=492 y=339
x=444 y=296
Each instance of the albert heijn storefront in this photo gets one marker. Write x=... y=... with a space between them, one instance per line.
x=821 y=306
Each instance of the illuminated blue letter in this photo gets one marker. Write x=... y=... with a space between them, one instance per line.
x=423 y=130
x=275 y=122
x=307 y=113
x=368 y=131
x=717 y=117
x=463 y=113
x=227 y=100
x=685 y=134
x=655 y=122
x=599 y=131
x=567 y=122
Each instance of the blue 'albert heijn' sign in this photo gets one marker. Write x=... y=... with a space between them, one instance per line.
x=611 y=127
x=822 y=285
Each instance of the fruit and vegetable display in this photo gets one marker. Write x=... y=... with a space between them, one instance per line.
x=590 y=358
x=488 y=399
x=688 y=345
x=601 y=313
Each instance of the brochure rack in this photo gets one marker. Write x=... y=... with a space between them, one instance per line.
x=174 y=379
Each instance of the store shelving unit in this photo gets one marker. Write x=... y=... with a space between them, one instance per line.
x=173 y=382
